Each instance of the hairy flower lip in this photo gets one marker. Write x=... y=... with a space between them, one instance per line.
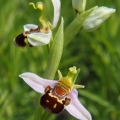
x=75 y=108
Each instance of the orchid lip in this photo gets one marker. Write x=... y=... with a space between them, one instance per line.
x=75 y=108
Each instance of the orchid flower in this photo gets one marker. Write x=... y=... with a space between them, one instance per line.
x=59 y=95
x=34 y=35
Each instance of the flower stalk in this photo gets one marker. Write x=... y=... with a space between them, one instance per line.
x=55 y=53
x=75 y=26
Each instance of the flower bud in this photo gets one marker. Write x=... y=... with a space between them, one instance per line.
x=97 y=17
x=79 y=5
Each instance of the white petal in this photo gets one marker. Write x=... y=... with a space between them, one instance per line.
x=39 y=38
x=27 y=27
x=36 y=82
x=56 y=4
x=76 y=109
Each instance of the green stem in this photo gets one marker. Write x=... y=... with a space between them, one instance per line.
x=54 y=57
x=55 y=53
x=75 y=26
x=38 y=110
x=47 y=116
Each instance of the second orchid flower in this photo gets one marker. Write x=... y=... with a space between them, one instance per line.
x=34 y=35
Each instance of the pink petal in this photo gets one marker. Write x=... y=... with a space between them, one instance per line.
x=36 y=82
x=76 y=109
x=56 y=4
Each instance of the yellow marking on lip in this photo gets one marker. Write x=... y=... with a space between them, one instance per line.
x=60 y=101
x=24 y=34
x=55 y=105
x=47 y=101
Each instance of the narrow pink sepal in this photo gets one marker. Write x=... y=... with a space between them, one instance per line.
x=76 y=109
x=36 y=82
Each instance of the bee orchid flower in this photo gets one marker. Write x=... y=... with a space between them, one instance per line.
x=59 y=95
x=35 y=35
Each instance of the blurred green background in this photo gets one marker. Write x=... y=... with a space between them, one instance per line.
x=96 y=53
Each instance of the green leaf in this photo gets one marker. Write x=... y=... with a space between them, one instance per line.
x=95 y=98
x=55 y=53
x=75 y=26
